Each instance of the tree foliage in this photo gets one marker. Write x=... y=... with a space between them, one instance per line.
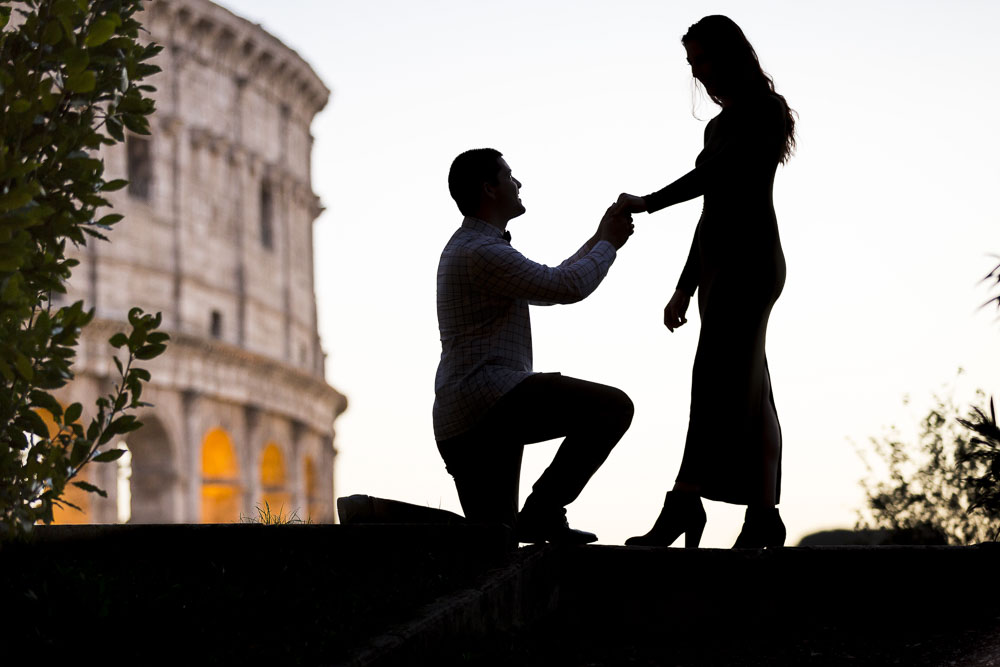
x=947 y=483
x=992 y=279
x=70 y=82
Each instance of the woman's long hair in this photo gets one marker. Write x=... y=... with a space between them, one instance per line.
x=736 y=67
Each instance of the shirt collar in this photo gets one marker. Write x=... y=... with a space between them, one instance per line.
x=481 y=226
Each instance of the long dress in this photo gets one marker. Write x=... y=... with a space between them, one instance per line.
x=738 y=269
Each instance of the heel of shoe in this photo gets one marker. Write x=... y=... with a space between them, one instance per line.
x=692 y=536
x=682 y=514
x=762 y=529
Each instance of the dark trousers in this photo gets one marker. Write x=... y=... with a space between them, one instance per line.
x=486 y=461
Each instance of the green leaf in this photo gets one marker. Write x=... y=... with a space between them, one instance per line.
x=114 y=127
x=140 y=373
x=110 y=219
x=41 y=399
x=118 y=340
x=76 y=60
x=82 y=82
x=147 y=352
x=52 y=33
x=137 y=124
x=100 y=31
x=126 y=424
x=73 y=413
x=31 y=422
x=90 y=488
x=110 y=455
x=20 y=106
x=81 y=448
x=23 y=366
x=116 y=184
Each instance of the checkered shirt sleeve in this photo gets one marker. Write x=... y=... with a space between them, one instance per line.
x=484 y=287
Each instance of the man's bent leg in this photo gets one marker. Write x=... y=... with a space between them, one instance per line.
x=592 y=417
x=487 y=475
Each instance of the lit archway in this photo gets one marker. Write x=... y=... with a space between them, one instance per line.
x=72 y=494
x=273 y=484
x=314 y=504
x=220 y=479
x=124 y=479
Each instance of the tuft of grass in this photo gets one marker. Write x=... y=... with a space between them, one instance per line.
x=266 y=517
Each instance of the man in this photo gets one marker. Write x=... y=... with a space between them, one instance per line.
x=488 y=401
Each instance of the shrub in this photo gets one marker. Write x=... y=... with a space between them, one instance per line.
x=70 y=73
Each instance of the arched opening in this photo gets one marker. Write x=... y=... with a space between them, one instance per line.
x=152 y=479
x=124 y=478
x=266 y=216
x=220 y=479
x=314 y=504
x=273 y=484
x=66 y=515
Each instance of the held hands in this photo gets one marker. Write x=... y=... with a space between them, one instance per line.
x=673 y=314
x=616 y=226
x=631 y=203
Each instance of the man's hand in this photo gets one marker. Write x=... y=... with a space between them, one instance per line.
x=673 y=314
x=631 y=203
x=616 y=226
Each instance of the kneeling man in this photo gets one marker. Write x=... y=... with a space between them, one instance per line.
x=489 y=402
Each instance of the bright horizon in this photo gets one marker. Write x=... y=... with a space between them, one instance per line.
x=887 y=215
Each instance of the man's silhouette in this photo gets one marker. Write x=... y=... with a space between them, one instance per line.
x=488 y=401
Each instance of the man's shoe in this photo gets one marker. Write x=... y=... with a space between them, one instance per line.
x=534 y=527
x=358 y=508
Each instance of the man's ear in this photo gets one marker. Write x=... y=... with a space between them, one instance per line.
x=489 y=191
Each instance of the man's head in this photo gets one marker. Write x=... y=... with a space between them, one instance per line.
x=481 y=183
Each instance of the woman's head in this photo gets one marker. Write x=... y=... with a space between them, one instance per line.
x=724 y=61
x=722 y=58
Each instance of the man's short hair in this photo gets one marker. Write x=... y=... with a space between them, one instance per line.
x=468 y=173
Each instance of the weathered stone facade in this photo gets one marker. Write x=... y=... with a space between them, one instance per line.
x=217 y=236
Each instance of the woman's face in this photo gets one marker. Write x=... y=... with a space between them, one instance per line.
x=701 y=65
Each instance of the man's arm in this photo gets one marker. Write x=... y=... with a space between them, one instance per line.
x=500 y=269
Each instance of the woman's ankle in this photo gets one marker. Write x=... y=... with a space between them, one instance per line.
x=686 y=487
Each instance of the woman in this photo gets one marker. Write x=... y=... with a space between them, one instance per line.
x=733 y=448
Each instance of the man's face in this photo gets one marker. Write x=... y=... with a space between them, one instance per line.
x=506 y=197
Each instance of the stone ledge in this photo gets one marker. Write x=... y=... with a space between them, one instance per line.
x=506 y=599
x=385 y=595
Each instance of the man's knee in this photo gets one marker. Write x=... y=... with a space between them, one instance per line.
x=622 y=409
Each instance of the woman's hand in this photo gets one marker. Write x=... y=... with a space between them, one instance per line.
x=673 y=314
x=631 y=203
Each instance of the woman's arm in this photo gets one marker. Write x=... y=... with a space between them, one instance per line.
x=688 y=282
x=749 y=137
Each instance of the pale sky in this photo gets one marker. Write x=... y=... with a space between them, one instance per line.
x=887 y=215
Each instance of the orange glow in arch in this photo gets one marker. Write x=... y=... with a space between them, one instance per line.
x=273 y=484
x=220 y=479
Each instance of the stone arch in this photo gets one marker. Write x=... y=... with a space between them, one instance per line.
x=220 y=478
x=274 y=480
x=153 y=480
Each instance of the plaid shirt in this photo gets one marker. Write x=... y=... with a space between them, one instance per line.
x=484 y=287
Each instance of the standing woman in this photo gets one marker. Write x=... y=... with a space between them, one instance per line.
x=733 y=448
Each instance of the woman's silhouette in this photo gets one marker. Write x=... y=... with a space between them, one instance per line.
x=733 y=447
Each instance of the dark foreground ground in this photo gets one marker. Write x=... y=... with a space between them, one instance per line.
x=450 y=595
x=751 y=643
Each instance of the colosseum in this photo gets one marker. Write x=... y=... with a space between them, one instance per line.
x=217 y=236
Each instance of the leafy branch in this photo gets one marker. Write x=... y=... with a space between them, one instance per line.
x=70 y=84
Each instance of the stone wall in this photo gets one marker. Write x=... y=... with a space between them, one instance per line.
x=217 y=236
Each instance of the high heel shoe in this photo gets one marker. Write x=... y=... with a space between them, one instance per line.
x=681 y=513
x=762 y=527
